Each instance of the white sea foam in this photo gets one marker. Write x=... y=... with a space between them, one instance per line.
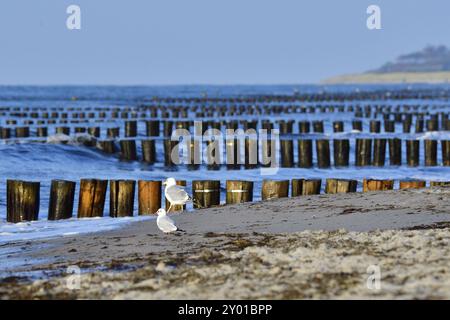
x=44 y=229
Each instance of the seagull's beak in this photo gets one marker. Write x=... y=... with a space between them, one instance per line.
x=164 y=183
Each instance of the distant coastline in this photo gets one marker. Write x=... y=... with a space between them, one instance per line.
x=391 y=78
x=429 y=65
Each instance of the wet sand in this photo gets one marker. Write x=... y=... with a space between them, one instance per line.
x=306 y=247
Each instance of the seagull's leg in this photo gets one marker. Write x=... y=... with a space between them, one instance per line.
x=170 y=207
x=195 y=201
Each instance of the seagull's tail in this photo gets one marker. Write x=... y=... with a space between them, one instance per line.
x=180 y=230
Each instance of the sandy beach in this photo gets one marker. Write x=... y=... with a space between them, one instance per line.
x=296 y=248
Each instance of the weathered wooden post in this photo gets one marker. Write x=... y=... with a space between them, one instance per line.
x=338 y=126
x=445 y=146
x=379 y=152
x=41 y=131
x=395 y=152
x=206 y=193
x=149 y=197
x=285 y=127
x=432 y=125
x=131 y=128
x=106 y=146
x=267 y=125
x=311 y=186
x=419 y=125
x=287 y=153
x=113 y=133
x=152 y=128
x=363 y=152
x=341 y=150
x=61 y=201
x=412 y=152
x=444 y=121
x=389 y=126
x=297 y=187
x=22 y=201
x=233 y=153
x=305 y=153
x=94 y=131
x=357 y=125
x=171 y=155
x=194 y=154
x=22 y=132
x=323 y=153
x=340 y=186
x=213 y=154
x=318 y=126
x=5 y=133
x=63 y=130
x=128 y=150
x=303 y=127
x=272 y=189
x=239 y=191
x=148 y=151
x=377 y=185
x=176 y=207
x=407 y=122
x=251 y=153
x=167 y=128
x=439 y=183
x=121 y=198
x=92 y=198
x=430 y=153
x=375 y=126
x=412 y=184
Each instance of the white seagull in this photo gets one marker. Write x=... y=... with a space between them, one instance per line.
x=175 y=194
x=164 y=223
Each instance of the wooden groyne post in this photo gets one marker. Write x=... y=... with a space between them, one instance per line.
x=148 y=151
x=341 y=150
x=239 y=191
x=22 y=203
x=128 y=150
x=305 y=153
x=412 y=152
x=412 y=184
x=323 y=153
x=121 y=201
x=340 y=186
x=363 y=152
x=430 y=153
x=62 y=194
x=395 y=152
x=377 y=185
x=445 y=146
x=379 y=152
x=92 y=198
x=149 y=197
x=206 y=193
x=272 y=189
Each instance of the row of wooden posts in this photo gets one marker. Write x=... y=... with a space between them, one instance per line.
x=23 y=197
x=368 y=152
x=167 y=110
x=153 y=127
x=222 y=111
x=379 y=95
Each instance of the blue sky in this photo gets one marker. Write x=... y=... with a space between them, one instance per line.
x=208 y=41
